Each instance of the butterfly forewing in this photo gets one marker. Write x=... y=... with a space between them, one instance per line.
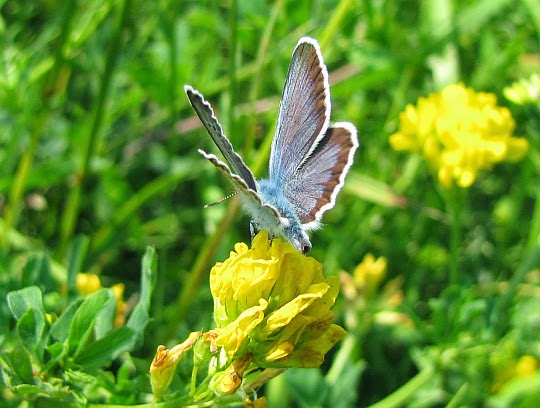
x=249 y=197
x=304 y=111
x=315 y=185
x=210 y=122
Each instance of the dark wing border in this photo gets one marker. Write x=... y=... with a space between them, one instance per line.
x=315 y=186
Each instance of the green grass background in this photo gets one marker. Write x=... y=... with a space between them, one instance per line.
x=98 y=159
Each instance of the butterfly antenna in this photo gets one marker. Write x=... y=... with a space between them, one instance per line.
x=220 y=201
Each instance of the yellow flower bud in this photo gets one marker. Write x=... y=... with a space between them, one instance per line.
x=88 y=283
x=227 y=382
x=164 y=364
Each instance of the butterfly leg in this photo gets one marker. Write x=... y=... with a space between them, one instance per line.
x=252 y=230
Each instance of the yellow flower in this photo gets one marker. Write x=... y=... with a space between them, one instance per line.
x=526 y=365
x=524 y=91
x=364 y=293
x=164 y=364
x=507 y=367
x=273 y=303
x=122 y=308
x=257 y=403
x=369 y=273
x=228 y=381
x=88 y=283
x=459 y=132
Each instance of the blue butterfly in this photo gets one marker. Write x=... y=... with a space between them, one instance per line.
x=309 y=158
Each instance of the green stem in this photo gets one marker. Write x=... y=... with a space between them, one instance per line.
x=343 y=358
x=335 y=22
x=454 y=204
x=17 y=189
x=202 y=262
x=399 y=397
x=102 y=239
x=249 y=140
x=71 y=212
x=457 y=399
x=503 y=305
x=534 y=230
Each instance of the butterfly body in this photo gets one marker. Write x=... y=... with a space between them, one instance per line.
x=309 y=157
x=289 y=226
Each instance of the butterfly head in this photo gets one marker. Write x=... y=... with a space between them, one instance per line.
x=298 y=238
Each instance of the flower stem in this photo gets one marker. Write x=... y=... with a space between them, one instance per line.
x=454 y=204
x=534 y=230
x=262 y=52
x=399 y=397
x=72 y=209
x=13 y=206
x=502 y=307
x=341 y=12
x=193 y=280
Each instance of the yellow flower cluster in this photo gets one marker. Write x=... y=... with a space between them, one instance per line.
x=272 y=308
x=274 y=304
x=363 y=290
x=459 y=132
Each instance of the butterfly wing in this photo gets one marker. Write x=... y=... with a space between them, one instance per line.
x=241 y=177
x=262 y=214
x=304 y=111
x=210 y=122
x=314 y=187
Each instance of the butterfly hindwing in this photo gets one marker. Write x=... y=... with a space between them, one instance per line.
x=314 y=187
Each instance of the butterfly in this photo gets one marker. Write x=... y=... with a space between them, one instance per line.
x=309 y=157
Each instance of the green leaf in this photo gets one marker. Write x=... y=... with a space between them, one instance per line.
x=521 y=392
x=137 y=321
x=308 y=386
x=77 y=253
x=57 y=352
x=21 y=300
x=60 y=328
x=55 y=397
x=32 y=328
x=26 y=389
x=140 y=316
x=105 y=319
x=344 y=391
x=36 y=267
x=103 y=351
x=84 y=320
x=19 y=362
x=148 y=276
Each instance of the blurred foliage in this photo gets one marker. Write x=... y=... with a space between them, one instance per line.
x=98 y=161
